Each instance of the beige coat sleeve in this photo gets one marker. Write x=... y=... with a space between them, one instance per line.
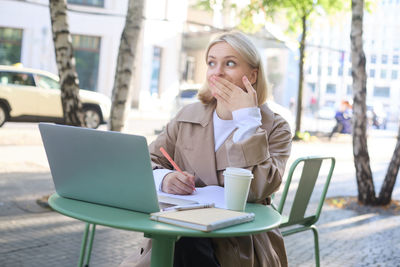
x=167 y=140
x=265 y=154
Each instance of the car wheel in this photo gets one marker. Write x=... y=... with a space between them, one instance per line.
x=92 y=117
x=3 y=114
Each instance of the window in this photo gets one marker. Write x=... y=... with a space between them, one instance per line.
x=331 y=88
x=382 y=91
x=373 y=59
x=87 y=49
x=10 y=46
x=329 y=71
x=394 y=74
x=349 y=72
x=311 y=86
x=372 y=73
x=98 y=3
x=349 y=90
x=155 y=73
x=340 y=71
x=47 y=82
x=188 y=74
x=188 y=93
x=329 y=103
x=396 y=59
x=17 y=78
x=383 y=74
x=384 y=59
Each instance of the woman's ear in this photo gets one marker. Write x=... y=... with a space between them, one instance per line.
x=253 y=76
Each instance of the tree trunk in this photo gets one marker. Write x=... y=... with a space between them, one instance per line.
x=71 y=104
x=385 y=195
x=125 y=64
x=301 y=74
x=365 y=183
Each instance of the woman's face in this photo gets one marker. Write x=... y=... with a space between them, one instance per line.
x=225 y=62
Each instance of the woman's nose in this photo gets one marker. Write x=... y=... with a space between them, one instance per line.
x=219 y=70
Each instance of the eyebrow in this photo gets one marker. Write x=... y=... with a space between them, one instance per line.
x=211 y=56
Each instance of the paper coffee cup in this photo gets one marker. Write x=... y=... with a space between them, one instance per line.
x=237 y=184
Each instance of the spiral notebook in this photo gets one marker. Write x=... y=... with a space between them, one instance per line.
x=207 y=219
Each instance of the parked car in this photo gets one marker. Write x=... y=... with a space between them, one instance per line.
x=187 y=94
x=30 y=95
x=326 y=113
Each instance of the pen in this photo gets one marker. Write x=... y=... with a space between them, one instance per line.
x=173 y=162
x=190 y=207
x=170 y=160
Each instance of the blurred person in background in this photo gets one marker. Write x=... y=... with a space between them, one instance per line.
x=343 y=119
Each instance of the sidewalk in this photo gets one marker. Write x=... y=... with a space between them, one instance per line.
x=33 y=236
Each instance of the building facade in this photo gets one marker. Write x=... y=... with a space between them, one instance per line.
x=328 y=64
x=170 y=52
x=96 y=27
x=277 y=54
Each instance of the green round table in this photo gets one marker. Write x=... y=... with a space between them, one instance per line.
x=163 y=235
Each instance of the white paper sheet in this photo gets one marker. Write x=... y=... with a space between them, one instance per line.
x=208 y=194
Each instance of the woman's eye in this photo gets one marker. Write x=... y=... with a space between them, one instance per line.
x=211 y=63
x=230 y=63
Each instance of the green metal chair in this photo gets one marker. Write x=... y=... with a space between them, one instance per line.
x=297 y=219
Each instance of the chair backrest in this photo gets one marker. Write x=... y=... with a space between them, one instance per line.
x=303 y=192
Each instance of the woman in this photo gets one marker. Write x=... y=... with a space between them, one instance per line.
x=230 y=127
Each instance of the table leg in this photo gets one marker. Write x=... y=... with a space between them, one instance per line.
x=162 y=250
x=89 y=249
x=83 y=245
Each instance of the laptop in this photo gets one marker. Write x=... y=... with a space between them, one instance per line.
x=102 y=167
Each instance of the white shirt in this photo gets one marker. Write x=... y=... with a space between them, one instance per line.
x=245 y=120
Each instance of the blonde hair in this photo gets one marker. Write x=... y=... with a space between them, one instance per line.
x=241 y=43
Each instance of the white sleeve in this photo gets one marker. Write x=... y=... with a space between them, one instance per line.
x=247 y=121
x=159 y=175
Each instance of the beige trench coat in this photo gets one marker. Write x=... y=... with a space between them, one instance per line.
x=189 y=137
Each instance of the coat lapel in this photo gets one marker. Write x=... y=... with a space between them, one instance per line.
x=221 y=157
x=201 y=154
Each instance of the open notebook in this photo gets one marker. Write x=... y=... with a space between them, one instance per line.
x=209 y=194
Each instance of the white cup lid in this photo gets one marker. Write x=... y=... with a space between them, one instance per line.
x=238 y=172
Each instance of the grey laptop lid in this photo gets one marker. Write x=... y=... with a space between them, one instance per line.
x=103 y=167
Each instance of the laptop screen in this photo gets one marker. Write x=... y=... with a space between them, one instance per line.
x=104 y=167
